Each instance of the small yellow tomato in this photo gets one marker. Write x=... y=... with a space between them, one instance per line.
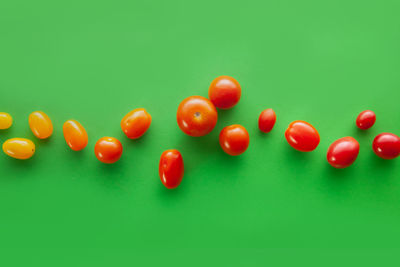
x=75 y=135
x=5 y=120
x=40 y=124
x=19 y=148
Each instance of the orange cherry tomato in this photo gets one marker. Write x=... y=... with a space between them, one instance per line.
x=196 y=116
x=343 y=152
x=136 y=123
x=171 y=168
x=234 y=139
x=266 y=121
x=40 y=124
x=19 y=148
x=224 y=92
x=365 y=119
x=5 y=120
x=108 y=150
x=75 y=135
x=386 y=145
x=302 y=136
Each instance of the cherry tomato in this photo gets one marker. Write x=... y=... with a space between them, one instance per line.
x=196 y=116
x=136 y=123
x=266 y=121
x=343 y=152
x=40 y=124
x=224 y=92
x=171 y=168
x=5 y=120
x=386 y=145
x=365 y=119
x=19 y=148
x=75 y=135
x=234 y=139
x=108 y=150
x=302 y=136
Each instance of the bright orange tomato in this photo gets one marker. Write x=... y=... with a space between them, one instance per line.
x=19 y=148
x=171 y=168
x=196 y=116
x=266 y=121
x=224 y=92
x=108 y=150
x=302 y=136
x=136 y=123
x=234 y=139
x=40 y=124
x=75 y=135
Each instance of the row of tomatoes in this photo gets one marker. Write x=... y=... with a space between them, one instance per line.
x=197 y=116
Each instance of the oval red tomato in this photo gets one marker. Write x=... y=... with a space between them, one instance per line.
x=386 y=145
x=224 y=92
x=171 y=168
x=234 y=139
x=302 y=136
x=136 y=123
x=266 y=121
x=365 y=119
x=343 y=152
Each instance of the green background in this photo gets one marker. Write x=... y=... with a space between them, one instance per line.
x=94 y=61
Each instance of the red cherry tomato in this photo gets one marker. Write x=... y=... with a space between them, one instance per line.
x=224 y=92
x=171 y=168
x=196 y=116
x=365 y=119
x=343 y=152
x=302 y=136
x=266 y=121
x=135 y=123
x=386 y=145
x=108 y=150
x=234 y=139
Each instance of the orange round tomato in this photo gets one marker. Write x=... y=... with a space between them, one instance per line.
x=75 y=135
x=266 y=121
x=171 y=168
x=234 y=139
x=302 y=136
x=224 y=92
x=136 y=123
x=196 y=116
x=108 y=150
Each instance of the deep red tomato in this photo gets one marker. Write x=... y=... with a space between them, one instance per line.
x=224 y=92
x=365 y=119
x=108 y=149
x=135 y=123
x=302 y=136
x=343 y=152
x=196 y=116
x=266 y=121
x=171 y=168
x=234 y=139
x=386 y=145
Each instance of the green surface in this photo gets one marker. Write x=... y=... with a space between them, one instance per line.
x=94 y=61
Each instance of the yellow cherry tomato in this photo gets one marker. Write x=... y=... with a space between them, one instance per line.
x=19 y=148
x=40 y=124
x=75 y=135
x=5 y=120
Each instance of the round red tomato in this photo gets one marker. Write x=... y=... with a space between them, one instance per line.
x=386 y=145
x=108 y=149
x=196 y=116
x=224 y=92
x=171 y=168
x=302 y=136
x=135 y=123
x=365 y=119
x=234 y=139
x=266 y=121
x=343 y=152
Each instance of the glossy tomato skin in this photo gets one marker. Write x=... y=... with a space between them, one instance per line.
x=302 y=136
x=136 y=123
x=19 y=148
x=196 y=116
x=5 y=120
x=108 y=150
x=365 y=119
x=343 y=152
x=224 y=92
x=171 y=168
x=75 y=135
x=40 y=124
x=234 y=139
x=267 y=120
x=386 y=145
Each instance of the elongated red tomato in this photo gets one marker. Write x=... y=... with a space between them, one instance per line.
x=365 y=119
x=75 y=135
x=266 y=121
x=386 y=145
x=171 y=168
x=343 y=152
x=136 y=123
x=302 y=136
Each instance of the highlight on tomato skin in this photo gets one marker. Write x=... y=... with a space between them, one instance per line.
x=136 y=123
x=224 y=92
x=266 y=120
x=234 y=139
x=5 y=120
x=171 y=168
x=302 y=136
x=75 y=135
x=343 y=152
x=40 y=124
x=386 y=145
x=366 y=119
x=19 y=148
x=108 y=150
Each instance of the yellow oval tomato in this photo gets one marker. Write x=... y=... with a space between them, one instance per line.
x=75 y=135
x=19 y=148
x=40 y=124
x=5 y=120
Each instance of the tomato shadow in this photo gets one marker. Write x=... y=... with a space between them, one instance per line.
x=112 y=176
